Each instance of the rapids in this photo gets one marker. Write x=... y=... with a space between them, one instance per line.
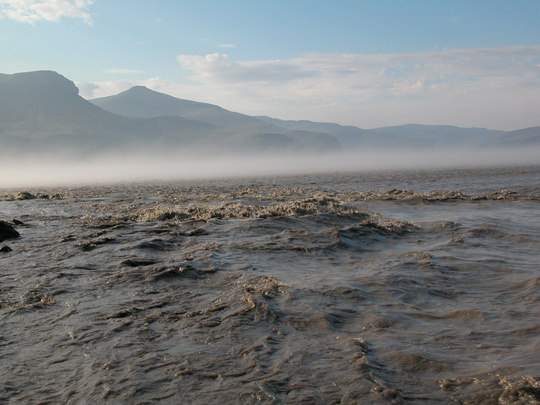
x=376 y=287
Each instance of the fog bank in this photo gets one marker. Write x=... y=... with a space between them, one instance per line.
x=18 y=172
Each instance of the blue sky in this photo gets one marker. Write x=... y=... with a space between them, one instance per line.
x=365 y=63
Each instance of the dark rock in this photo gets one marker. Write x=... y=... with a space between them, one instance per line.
x=7 y=231
x=17 y=222
x=137 y=262
x=25 y=195
x=5 y=249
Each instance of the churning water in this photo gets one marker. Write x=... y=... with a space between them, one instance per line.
x=389 y=287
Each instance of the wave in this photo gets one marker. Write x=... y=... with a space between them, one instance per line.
x=272 y=291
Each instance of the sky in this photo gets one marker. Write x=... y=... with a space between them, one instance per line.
x=473 y=63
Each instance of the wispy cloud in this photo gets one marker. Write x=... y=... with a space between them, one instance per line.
x=227 y=46
x=220 y=69
x=391 y=72
x=122 y=71
x=483 y=87
x=489 y=87
x=32 y=11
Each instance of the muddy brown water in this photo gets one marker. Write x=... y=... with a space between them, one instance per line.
x=388 y=287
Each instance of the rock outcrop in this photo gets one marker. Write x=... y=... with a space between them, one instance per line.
x=7 y=231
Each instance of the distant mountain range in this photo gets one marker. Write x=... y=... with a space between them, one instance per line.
x=142 y=102
x=42 y=112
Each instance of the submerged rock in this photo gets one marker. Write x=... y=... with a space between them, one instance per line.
x=5 y=249
x=7 y=231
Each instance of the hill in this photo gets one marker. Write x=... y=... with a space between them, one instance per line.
x=415 y=136
x=140 y=102
x=42 y=112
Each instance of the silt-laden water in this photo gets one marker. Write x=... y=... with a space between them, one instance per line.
x=388 y=287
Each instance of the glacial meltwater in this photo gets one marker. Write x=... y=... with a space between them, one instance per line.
x=369 y=288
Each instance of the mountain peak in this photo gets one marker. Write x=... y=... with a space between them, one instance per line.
x=139 y=89
x=41 y=81
x=140 y=101
x=138 y=93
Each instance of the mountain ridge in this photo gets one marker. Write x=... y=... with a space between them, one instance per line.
x=407 y=135
x=43 y=111
x=140 y=101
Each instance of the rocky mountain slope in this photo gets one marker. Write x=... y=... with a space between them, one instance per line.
x=42 y=112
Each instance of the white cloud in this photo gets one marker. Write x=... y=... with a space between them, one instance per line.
x=468 y=87
x=490 y=87
x=215 y=68
x=227 y=46
x=32 y=11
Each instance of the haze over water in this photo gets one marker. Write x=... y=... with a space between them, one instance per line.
x=410 y=286
x=137 y=166
x=197 y=207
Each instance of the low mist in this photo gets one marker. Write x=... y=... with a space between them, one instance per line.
x=19 y=172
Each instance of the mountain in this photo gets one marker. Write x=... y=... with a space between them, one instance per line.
x=415 y=136
x=42 y=112
x=348 y=136
x=525 y=137
x=140 y=101
x=41 y=104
